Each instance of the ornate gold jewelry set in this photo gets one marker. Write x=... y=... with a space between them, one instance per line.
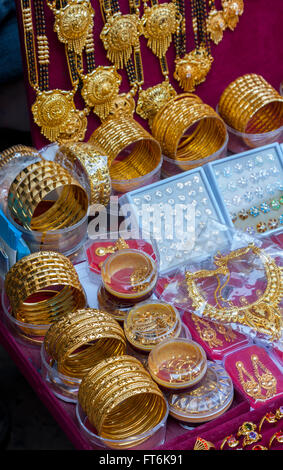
x=263 y=315
x=55 y=112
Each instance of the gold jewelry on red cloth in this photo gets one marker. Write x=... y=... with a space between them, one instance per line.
x=263 y=314
x=202 y=444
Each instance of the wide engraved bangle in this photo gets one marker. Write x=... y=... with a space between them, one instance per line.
x=35 y=184
x=39 y=272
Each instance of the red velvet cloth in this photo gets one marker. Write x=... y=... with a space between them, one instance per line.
x=255 y=46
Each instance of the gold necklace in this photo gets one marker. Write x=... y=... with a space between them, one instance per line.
x=74 y=21
x=160 y=22
x=192 y=67
x=54 y=111
x=120 y=34
x=263 y=314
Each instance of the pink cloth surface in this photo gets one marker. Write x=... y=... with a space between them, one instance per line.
x=255 y=46
x=216 y=434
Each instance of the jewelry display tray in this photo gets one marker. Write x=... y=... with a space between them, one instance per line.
x=27 y=358
x=254 y=171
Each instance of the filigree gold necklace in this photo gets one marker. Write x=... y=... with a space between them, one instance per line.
x=74 y=22
x=263 y=314
x=160 y=23
x=54 y=111
x=192 y=67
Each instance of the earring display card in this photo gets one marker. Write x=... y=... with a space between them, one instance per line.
x=249 y=189
x=180 y=213
x=216 y=338
x=255 y=374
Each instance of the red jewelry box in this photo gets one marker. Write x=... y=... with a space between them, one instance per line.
x=255 y=46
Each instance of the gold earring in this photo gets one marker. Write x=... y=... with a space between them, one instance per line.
x=267 y=379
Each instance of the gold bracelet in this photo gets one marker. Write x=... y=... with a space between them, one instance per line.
x=115 y=402
x=251 y=105
x=175 y=118
x=35 y=275
x=81 y=339
x=132 y=151
x=16 y=151
x=95 y=164
x=34 y=184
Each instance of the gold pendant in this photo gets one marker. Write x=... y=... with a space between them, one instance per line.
x=100 y=88
x=123 y=105
x=153 y=98
x=192 y=69
x=119 y=35
x=232 y=9
x=74 y=129
x=52 y=110
x=159 y=23
x=216 y=25
x=72 y=24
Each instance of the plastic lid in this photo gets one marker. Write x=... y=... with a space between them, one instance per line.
x=177 y=363
x=129 y=274
x=150 y=322
x=207 y=400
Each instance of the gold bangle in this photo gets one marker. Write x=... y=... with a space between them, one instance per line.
x=174 y=119
x=34 y=184
x=15 y=152
x=115 y=401
x=251 y=105
x=94 y=163
x=132 y=152
x=39 y=272
x=81 y=339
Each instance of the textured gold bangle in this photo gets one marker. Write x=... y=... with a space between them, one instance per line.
x=132 y=151
x=182 y=113
x=81 y=339
x=16 y=151
x=127 y=403
x=39 y=272
x=95 y=164
x=251 y=105
x=36 y=183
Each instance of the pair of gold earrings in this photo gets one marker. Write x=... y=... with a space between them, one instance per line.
x=263 y=379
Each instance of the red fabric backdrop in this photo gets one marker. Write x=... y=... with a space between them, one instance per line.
x=256 y=46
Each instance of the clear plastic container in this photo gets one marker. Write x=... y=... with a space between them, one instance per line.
x=24 y=332
x=145 y=441
x=239 y=141
x=129 y=275
x=172 y=167
x=65 y=241
x=148 y=323
x=142 y=356
x=207 y=400
x=177 y=363
x=64 y=387
x=124 y=186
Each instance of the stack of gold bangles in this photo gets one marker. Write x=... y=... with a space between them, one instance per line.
x=41 y=287
x=184 y=113
x=121 y=400
x=251 y=105
x=77 y=341
x=15 y=151
x=95 y=164
x=38 y=182
x=132 y=152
